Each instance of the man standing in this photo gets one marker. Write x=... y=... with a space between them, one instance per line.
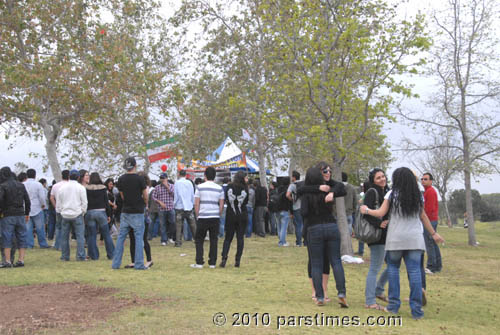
x=431 y=205
x=350 y=200
x=163 y=195
x=134 y=194
x=183 y=204
x=53 y=192
x=15 y=209
x=260 y=208
x=208 y=206
x=291 y=194
x=38 y=198
x=71 y=202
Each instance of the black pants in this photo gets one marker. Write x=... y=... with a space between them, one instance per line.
x=212 y=226
x=147 y=247
x=234 y=224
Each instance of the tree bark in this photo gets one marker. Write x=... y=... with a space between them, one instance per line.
x=51 y=133
x=345 y=237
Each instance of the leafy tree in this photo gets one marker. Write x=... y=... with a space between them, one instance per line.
x=347 y=56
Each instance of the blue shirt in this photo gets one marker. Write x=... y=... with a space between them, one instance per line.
x=183 y=195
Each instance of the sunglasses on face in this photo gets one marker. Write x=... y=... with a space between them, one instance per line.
x=424 y=179
x=325 y=171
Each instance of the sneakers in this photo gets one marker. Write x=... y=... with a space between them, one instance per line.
x=285 y=245
x=197 y=266
x=171 y=241
x=163 y=243
x=429 y=272
x=19 y=264
x=6 y=265
x=211 y=266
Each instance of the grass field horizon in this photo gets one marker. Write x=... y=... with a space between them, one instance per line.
x=462 y=299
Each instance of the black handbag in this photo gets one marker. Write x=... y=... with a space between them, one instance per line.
x=363 y=230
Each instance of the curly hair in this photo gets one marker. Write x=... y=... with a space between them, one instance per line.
x=406 y=197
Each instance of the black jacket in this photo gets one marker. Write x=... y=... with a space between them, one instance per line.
x=14 y=200
x=260 y=196
x=97 y=197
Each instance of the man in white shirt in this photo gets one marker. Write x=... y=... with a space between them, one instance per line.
x=183 y=205
x=71 y=203
x=38 y=198
x=208 y=206
x=53 y=192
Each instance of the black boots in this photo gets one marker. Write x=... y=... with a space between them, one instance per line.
x=223 y=263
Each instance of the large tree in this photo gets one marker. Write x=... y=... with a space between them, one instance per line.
x=466 y=66
x=347 y=55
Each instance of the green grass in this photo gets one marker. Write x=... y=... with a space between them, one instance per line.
x=463 y=298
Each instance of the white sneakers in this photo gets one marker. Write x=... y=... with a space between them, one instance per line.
x=196 y=266
x=163 y=243
x=211 y=266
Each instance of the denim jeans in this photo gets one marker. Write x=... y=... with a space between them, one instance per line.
x=433 y=253
x=51 y=225
x=283 y=226
x=374 y=288
x=250 y=222
x=39 y=222
x=58 y=233
x=319 y=238
x=95 y=219
x=154 y=225
x=186 y=229
x=222 y=222
x=412 y=262
x=299 y=225
x=130 y=221
x=274 y=219
x=167 y=225
x=13 y=232
x=350 y=219
x=77 y=224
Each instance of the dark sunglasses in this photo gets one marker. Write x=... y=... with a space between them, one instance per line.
x=424 y=179
x=327 y=171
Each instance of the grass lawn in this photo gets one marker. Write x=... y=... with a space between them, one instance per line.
x=462 y=299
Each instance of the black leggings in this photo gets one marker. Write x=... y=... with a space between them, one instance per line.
x=235 y=224
x=147 y=247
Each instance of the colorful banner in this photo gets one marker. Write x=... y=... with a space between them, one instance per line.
x=161 y=149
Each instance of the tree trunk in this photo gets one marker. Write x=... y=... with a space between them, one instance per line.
x=345 y=237
x=468 y=207
x=447 y=212
x=51 y=134
x=262 y=167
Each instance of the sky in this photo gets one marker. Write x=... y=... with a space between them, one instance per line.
x=24 y=147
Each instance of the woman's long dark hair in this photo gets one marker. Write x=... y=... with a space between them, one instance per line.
x=239 y=179
x=406 y=197
x=314 y=177
x=323 y=165
x=95 y=179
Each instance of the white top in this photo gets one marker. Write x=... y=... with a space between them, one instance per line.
x=210 y=195
x=55 y=188
x=37 y=194
x=404 y=233
x=71 y=200
x=183 y=195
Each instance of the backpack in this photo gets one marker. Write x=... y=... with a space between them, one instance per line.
x=363 y=230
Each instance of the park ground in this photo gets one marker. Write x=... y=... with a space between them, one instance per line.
x=270 y=289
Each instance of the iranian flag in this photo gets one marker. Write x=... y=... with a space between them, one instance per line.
x=161 y=149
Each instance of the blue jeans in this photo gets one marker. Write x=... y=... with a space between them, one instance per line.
x=167 y=223
x=96 y=218
x=299 y=224
x=77 y=224
x=412 y=262
x=154 y=225
x=136 y=222
x=321 y=237
x=283 y=226
x=250 y=222
x=222 y=222
x=374 y=288
x=13 y=227
x=434 y=262
x=39 y=222
x=51 y=225
x=350 y=220
x=58 y=233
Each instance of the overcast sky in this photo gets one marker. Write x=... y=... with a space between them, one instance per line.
x=24 y=146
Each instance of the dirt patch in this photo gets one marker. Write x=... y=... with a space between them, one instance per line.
x=32 y=309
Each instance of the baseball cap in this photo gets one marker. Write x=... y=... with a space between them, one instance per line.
x=129 y=163
x=74 y=173
x=163 y=176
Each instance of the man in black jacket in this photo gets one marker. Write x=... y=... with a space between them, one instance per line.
x=15 y=207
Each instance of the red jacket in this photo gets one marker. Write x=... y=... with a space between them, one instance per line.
x=431 y=203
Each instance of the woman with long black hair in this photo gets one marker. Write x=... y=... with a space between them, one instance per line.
x=322 y=236
x=236 y=198
x=375 y=190
x=404 y=237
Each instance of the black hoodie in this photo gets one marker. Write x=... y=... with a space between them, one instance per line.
x=14 y=200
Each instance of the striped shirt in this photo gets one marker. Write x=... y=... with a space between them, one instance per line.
x=210 y=195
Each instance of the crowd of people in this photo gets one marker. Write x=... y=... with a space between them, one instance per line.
x=81 y=206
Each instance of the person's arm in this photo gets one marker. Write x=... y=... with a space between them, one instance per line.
x=312 y=189
x=376 y=212
x=427 y=225
x=145 y=196
x=27 y=204
x=196 y=206
x=337 y=188
x=221 y=202
x=288 y=193
x=83 y=199
x=42 y=196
